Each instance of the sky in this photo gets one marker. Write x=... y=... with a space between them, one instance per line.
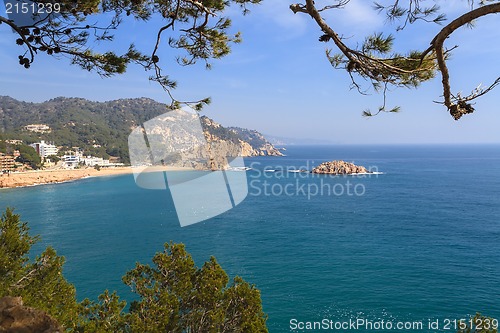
x=279 y=82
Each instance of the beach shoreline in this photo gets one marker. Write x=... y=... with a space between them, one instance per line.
x=45 y=177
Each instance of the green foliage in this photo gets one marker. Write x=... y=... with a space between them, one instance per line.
x=198 y=29
x=411 y=14
x=45 y=288
x=76 y=122
x=479 y=324
x=178 y=297
x=369 y=113
x=254 y=138
x=378 y=43
x=174 y=295
x=29 y=155
x=408 y=70
x=99 y=129
x=40 y=283
x=220 y=132
x=54 y=158
x=15 y=243
x=414 y=69
x=383 y=68
x=105 y=316
x=3 y=145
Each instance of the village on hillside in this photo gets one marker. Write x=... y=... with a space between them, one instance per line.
x=17 y=156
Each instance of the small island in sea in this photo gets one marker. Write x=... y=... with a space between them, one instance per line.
x=340 y=168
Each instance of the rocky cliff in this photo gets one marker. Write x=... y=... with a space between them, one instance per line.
x=102 y=128
x=259 y=145
x=182 y=139
x=15 y=317
x=339 y=168
x=224 y=144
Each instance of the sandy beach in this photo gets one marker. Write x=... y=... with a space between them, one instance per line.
x=40 y=177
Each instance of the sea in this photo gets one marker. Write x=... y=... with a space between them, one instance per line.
x=413 y=247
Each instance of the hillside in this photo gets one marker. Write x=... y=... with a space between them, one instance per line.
x=256 y=139
x=100 y=128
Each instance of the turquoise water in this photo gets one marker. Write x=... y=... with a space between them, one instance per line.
x=420 y=242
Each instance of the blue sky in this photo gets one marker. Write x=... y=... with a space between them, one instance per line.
x=279 y=81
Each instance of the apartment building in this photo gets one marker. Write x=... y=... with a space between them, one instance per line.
x=44 y=149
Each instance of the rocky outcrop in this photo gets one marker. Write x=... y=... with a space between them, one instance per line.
x=111 y=122
x=223 y=143
x=176 y=139
x=339 y=168
x=16 y=318
x=259 y=144
x=267 y=150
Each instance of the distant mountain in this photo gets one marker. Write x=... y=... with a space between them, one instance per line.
x=101 y=128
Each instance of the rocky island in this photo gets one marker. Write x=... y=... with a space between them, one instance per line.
x=339 y=168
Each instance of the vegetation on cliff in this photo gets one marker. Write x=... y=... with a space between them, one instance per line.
x=99 y=128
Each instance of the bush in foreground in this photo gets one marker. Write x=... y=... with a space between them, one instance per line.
x=174 y=294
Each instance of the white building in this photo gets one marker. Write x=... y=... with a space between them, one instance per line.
x=44 y=149
x=70 y=161
x=93 y=161
x=39 y=128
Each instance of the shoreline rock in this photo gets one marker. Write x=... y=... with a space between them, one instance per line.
x=339 y=167
x=15 y=317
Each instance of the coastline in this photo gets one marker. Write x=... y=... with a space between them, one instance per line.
x=44 y=177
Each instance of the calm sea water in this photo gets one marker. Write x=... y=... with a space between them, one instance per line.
x=420 y=242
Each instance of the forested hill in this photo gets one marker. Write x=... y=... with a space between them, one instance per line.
x=99 y=128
